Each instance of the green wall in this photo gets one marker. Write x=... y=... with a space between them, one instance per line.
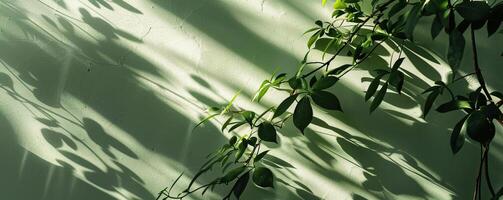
x=98 y=99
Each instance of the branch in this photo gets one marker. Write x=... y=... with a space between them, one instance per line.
x=478 y=72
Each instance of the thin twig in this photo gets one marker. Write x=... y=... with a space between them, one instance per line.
x=478 y=72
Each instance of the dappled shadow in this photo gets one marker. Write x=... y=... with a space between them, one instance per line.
x=107 y=4
x=106 y=77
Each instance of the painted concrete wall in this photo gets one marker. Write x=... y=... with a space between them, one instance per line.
x=98 y=99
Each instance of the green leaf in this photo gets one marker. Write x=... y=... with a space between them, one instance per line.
x=233 y=140
x=434 y=7
x=313 y=38
x=226 y=158
x=329 y=47
x=492 y=111
x=252 y=141
x=497 y=94
x=248 y=116
x=226 y=123
x=473 y=10
x=264 y=87
x=351 y=1
x=263 y=177
x=260 y=156
x=325 y=82
x=449 y=21
x=435 y=91
x=462 y=26
x=454 y=105
x=241 y=184
x=311 y=30
x=479 y=128
x=412 y=18
x=396 y=79
x=241 y=150
x=295 y=83
x=436 y=26
x=373 y=86
x=326 y=100
x=204 y=120
x=339 y=4
x=378 y=36
x=378 y=98
x=397 y=8
x=284 y=105
x=397 y=64
x=313 y=81
x=456 y=49
x=339 y=69
x=303 y=114
x=492 y=26
x=233 y=174
x=277 y=80
x=229 y=105
x=323 y=2
x=458 y=137
x=235 y=126
x=495 y=18
x=267 y=132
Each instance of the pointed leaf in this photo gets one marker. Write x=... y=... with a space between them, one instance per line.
x=454 y=105
x=236 y=126
x=248 y=116
x=204 y=120
x=492 y=26
x=267 y=132
x=233 y=174
x=458 y=137
x=303 y=114
x=473 y=10
x=373 y=86
x=339 y=4
x=397 y=8
x=241 y=150
x=326 y=100
x=233 y=140
x=284 y=105
x=241 y=184
x=311 y=30
x=339 y=70
x=229 y=105
x=497 y=94
x=263 y=177
x=325 y=82
x=264 y=87
x=397 y=64
x=260 y=156
x=313 y=38
x=456 y=49
x=396 y=79
x=378 y=98
x=479 y=128
x=430 y=99
x=436 y=26
x=226 y=123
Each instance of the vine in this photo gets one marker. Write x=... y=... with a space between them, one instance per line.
x=389 y=21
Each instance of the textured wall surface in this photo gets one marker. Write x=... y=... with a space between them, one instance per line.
x=98 y=99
